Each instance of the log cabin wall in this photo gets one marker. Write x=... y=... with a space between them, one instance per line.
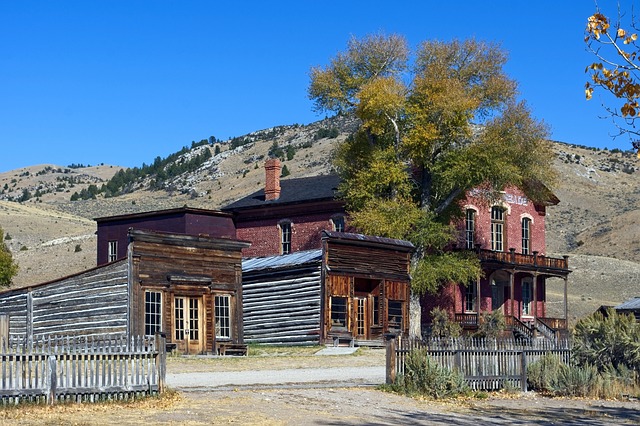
x=94 y=302
x=188 y=286
x=282 y=304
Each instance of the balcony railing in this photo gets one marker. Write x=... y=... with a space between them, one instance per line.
x=534 y=260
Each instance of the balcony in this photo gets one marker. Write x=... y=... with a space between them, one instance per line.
x=524 y=261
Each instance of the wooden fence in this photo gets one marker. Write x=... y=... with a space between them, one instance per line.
x=81 y=369
x=487 y=364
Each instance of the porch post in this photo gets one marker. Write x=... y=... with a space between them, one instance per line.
x=512 y=285
x=478 y=301
x=566 y=309
x=535 y=295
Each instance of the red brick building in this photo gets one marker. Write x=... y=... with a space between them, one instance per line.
x=508 y=236
x=288 y=215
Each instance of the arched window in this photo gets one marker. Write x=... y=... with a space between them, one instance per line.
x=497 y=228
x=470 y=229
x=526 y=235
x=285 y=237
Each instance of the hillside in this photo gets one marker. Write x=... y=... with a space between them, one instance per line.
x=596 y=222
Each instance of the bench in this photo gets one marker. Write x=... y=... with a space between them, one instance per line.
x=228 y=348
x=342 y=336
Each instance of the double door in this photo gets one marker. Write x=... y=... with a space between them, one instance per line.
x=189 y=332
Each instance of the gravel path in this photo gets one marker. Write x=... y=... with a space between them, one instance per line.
x=343 y=376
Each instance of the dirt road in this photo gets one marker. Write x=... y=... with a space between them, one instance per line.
x=305 y=389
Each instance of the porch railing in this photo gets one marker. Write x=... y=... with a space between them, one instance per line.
x=534 y=259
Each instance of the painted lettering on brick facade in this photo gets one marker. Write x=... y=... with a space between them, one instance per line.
x=515 y=199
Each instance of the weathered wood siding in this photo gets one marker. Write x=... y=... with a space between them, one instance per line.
x=87 y=304
x=369 y=262
x=186 y=266
x=283 y=306
x=14 y=304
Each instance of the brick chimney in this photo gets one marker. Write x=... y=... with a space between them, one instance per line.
x=272 y=169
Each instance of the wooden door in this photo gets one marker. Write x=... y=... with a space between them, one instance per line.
x=189 y=333
x=362 y=318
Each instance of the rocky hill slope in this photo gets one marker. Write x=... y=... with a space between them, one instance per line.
x=596 y=222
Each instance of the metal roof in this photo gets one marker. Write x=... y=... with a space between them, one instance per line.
x=631 y=304
x=281 y=261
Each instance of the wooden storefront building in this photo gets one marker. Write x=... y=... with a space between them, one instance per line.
x=354 y=289
x=187 y=286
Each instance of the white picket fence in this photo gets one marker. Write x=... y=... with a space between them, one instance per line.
x=81 y=369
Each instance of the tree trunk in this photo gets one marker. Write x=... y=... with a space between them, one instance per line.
x=415 y=316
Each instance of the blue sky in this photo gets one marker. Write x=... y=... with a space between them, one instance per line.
x=122 y=82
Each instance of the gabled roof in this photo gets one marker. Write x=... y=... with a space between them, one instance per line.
x=315 y=188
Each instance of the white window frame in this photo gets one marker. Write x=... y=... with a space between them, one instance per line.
x=526 y=235
x=112 y=251
x=152 y=312
x=497 y=228
x=338 y=223
x=470 y=298
x=222 y=313
x=286 y=230
x=470 y=229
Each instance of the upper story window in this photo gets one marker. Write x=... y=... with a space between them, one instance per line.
x=285 y=237
x=113 y=251
x=526 y=235
x=338 y=223
x=497 y=228
x=470 y=229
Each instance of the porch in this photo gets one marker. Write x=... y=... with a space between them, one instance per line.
x=515 y=284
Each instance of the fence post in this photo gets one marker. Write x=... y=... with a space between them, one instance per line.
x=390 y=343
x=523 y=372
x=53 y=379
x=161 y=360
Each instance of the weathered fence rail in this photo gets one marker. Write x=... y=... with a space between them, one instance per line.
x=487 y=364
x=81 y=369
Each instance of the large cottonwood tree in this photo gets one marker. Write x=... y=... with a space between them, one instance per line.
x=435 y=123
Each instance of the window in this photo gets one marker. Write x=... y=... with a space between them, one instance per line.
x=526 y=235
x=470 y=298
x=470 y=229
x=152 y=312
x=222 y=304
x=285 y=237
x=113 y=251
x=338 y=312
x=179 y=318
x=526 y=297
x=497 y=229
x=395 y=314
x=376 y=310
x=338 y=223
x=193 y=319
